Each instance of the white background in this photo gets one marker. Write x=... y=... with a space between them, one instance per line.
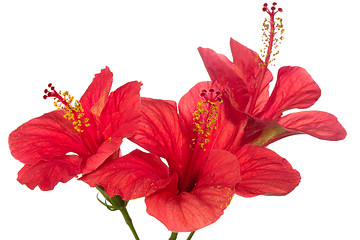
x=67 y=42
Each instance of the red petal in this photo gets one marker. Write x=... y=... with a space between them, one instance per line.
x=223 y=71
x=106 y=149
x=227 y=131
x=190 y=211
x=248 y=61
x=318 y=124
x=122 y=111
x=135 y=175
x=96 y=95
x=44 y=137
x=294 y=88
x=249 y=68
x=263 y=172
x=46 y=174
x=160 y=132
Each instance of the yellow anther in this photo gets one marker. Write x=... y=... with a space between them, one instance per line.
x=74 y=109
x=204 y=117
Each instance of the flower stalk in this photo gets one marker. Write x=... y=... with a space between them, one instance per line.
x=191 y=235
x=173 y=236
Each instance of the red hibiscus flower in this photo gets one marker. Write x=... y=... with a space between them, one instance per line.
x=192 y=190
x=79 y=136
x=245 y=82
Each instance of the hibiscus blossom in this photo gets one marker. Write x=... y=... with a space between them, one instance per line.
x=245 y=82
x=203 y=169
x=79 y=136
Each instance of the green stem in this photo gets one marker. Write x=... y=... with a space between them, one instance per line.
x=129 y=221
x=173 y=236
x=190 y=236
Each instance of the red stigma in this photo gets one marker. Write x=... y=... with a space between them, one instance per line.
x=211 y=95
x=49 y=93
x=272 y=11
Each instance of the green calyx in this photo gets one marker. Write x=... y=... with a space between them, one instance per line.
x=111 y=203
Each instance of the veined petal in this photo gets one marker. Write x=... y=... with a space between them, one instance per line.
x=263 y=172
x=190 y=211
x=96 y=95
x=46 y=174
x=223 y=71
x=121 y=113
x=43 y=138
x=294 y=88
x=247 y=61
x=318 y=124
x=160 y=132
x=250 y=68
x=134 y=175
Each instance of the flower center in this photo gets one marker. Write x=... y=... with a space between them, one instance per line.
x=74 y=110
x=271 y=27
x=205 y=119
x=205 y=116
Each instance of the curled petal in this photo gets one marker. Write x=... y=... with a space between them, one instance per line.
x=43 y=138
x=263 y=172
x=318 y=124
x=134 y=175
x=294 y=88
x=46 y=174
x=205 y=203
x=96 y=95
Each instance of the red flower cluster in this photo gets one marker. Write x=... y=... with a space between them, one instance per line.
x=201 y=151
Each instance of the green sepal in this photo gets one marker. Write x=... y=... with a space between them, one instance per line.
x=111 y=203
x=111 y=208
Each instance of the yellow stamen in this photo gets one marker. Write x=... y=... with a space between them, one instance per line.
x=204 y=121
x=74 y=109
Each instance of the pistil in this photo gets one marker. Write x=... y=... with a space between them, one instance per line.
x=271 y=27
